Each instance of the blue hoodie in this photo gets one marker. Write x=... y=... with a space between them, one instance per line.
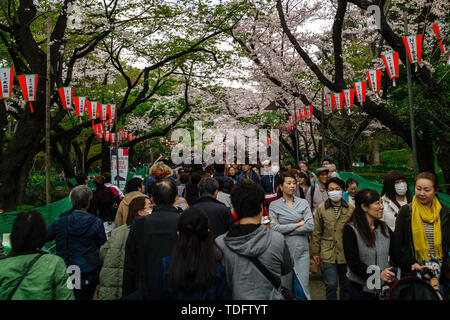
x=86 y=234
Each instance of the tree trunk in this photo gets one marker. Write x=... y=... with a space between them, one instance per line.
x=375 y=158
x=425 y=155
x=345 y=158
x=17 y=159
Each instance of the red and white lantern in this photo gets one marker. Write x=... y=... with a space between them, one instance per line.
x=360 y=90
x=92 y=109
x=80 y=105
x=328 y=101
x=349 y=95
x=374 y=77
x=28 y=84
x=339 y=97
x=6 y=79
x=112 y=111
x=413 y=46
x=391 y=62
x=310 y=111
x=103 y=111
x=66 y=95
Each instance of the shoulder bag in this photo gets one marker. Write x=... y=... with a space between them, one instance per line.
x=276 y=282
x=35 y=259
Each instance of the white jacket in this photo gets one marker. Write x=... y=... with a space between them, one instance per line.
x=390 y=212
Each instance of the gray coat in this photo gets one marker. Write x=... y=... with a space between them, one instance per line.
x=296 y=239
x=244 y=279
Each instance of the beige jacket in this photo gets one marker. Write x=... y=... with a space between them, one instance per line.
x=122 y=211
x=327 y=238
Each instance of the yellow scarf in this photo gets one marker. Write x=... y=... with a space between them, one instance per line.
x=419 y=213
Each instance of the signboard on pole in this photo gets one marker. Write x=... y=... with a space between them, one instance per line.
x=123 y=167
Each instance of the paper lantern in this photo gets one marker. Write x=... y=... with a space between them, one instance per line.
x=349 y=95
x=360 y=90
x=6 y=78
x=413 y=46
x=92 y=109
x=391 y=62
x=28 y=84
x=374 y=77
x=66 y=95
x=80 y=105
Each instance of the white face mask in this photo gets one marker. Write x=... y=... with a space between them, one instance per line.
x=333 y=174
x=275 y=169
x=401 y=188
x=335 y=196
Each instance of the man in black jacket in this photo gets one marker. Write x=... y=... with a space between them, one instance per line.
x=219 y=216
x=151 y=238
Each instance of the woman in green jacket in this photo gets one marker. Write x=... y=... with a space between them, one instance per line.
x=28 y=273
x=113 y=252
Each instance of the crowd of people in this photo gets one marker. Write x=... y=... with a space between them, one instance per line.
x=224 y=232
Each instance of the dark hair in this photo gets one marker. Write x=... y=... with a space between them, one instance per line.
x=29 y=233
x=220 y=182
x=107 y=176
x=195 y=178
x=287 y=174
x=133 y=184
x=164 y=191
x=349 y=182
x=338 y=181
x=135 y=205
x=429 y=176
x=195 y=253
x=358 y=219
x=219 y=167
x=389 y=186
x=247 y=198
x=302 y=174
x=99 y=181
x=207 y=186
x=81 y=178
x=184 y=178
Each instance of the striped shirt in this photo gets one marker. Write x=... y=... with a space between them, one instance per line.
x=429 y=228
x=336 y=210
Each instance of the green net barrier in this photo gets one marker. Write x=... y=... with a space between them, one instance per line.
x=49 y=212
x=364 y=183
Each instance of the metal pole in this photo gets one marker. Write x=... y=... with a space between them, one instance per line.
x=411 y=110
x=47 y=119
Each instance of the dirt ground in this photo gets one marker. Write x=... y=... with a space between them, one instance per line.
x=317 y=287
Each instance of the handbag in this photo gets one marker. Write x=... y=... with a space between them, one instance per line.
x=275 y=281
x=35 y=259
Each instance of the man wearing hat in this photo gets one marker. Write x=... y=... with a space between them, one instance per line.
x=327 y=239
x=317 y=193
